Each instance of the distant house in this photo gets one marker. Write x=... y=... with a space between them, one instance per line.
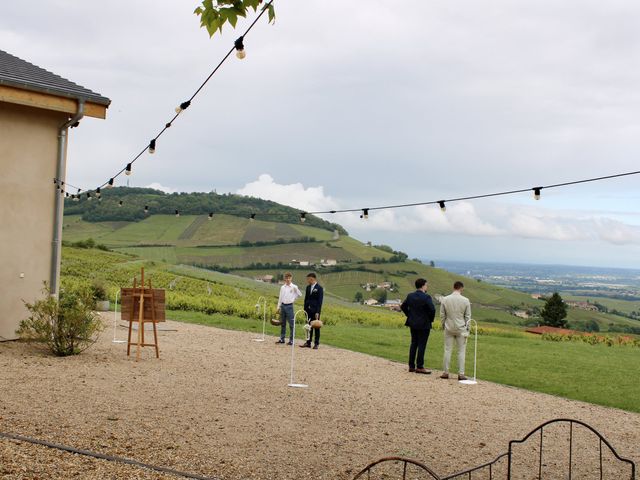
x=590 y=307
x=371 y=302
x=329 y=262
x=37 y=108
x=536 y=296
x=393 y=305
x=265 y=278
x=521 y=313
x=385 y=285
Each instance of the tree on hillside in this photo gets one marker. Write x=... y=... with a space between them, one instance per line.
x=380 y=294
x=432 y=263
x=358 y=298
x=554 y=312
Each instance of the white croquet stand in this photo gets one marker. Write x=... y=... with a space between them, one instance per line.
x=262 y=303
x=292 y=383
x=115 y=321
x=473 y=381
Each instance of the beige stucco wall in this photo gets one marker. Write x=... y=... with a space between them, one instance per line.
x=28 y=146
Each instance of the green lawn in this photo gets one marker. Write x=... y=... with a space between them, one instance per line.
x=596 y=374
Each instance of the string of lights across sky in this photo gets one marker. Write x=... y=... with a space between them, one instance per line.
x=238 y=47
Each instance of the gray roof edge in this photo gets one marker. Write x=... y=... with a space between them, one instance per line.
x=95 y=98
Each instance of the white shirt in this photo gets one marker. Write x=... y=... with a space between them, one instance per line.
x=288 y=294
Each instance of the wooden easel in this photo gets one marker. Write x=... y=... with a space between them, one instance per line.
x=138 y=296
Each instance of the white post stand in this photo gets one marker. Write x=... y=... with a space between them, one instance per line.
x=292 y=384
x=473 y=381
x=115 y=321
x=262 y=303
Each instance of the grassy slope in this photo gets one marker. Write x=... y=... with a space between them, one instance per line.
x=598 y=374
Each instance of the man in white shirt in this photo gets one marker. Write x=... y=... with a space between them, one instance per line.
x=289 y=293
x=455 y=313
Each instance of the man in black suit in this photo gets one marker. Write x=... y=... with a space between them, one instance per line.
x=313 y=306
x=420 y=312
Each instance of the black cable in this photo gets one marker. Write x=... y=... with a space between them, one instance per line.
x=102 y=456
x=187 y=103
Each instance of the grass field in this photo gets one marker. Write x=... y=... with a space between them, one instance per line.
x=592 y=373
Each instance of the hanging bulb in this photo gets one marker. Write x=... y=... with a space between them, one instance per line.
x=152 y=146
x=99 y=199
x=127 y=170
x=443 y=207
x=98 y=194
x=177 y=213
x=88 y=195
x=120 y=203
x=252 y=217
x=110 y=184
x=180 y=108
x=146 y=209
x=210 y=216
x=303 y=217
x=66 y=194
x=365 y=213
x=239 y=45
x=537 y=192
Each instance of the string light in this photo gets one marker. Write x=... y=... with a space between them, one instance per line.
x=146 y=209
x=536 y=193
x=110 y=183
x=303 y=217
x=152 y=146
x=183 y=106
x=443 y=207
x=365 y=213
x=120 y=203
x=88 y=195
x=239 y=46
x=252 y=217
x=98 y=194
x=210 y=216
x=177 y=213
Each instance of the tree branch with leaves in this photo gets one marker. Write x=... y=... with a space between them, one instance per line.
x=214 y=14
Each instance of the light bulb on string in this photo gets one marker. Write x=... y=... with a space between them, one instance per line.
x=98 y=194
x=127 y=170
x=210 y=216
x=152 y=146
x=537 y=192
x=120 y=203
x=146 y=209
x=88 y=195
x=239 y=45
x=303 y=217
x=183 y=106
x=252 y=217
x=443 y=207
x=177 y=213
x=110 y=184
x=365 y=213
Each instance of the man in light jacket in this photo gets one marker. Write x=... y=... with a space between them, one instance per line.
x=455 y=313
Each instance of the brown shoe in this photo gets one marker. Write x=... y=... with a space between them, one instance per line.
x=412 y=370
x=305 y=345
x=423 y=371
x=444 y=376
x=462 y=377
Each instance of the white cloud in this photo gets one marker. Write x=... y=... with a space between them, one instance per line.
x=294 y=195
x=161 y=187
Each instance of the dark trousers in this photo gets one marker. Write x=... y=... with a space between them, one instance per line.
x=314 y=331
x=419 y=340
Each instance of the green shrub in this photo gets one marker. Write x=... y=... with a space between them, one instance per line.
x=67 y=325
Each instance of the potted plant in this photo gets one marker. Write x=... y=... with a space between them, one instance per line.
x=100 y=296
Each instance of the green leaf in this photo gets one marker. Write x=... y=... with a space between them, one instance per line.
x=272 y=13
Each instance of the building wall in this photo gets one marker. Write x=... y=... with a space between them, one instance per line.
x=28 y=146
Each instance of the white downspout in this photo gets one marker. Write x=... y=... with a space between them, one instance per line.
x=56 y=250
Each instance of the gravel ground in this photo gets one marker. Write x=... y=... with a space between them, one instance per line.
x=217 y=404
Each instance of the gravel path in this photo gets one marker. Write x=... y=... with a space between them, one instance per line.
x=217 y=404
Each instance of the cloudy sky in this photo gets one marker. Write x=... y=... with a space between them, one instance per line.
x=358 y=104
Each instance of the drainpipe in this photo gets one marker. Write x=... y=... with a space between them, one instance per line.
x=63 y=132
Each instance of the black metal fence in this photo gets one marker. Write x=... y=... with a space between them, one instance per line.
x=560 y=448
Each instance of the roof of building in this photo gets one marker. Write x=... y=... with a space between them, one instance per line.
x=18 y=73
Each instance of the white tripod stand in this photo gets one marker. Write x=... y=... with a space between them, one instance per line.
x=293 y=349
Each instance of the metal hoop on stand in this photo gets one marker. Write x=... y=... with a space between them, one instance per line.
x=115 y=321
x=262 y=303
x=475 y=357
x=293 y=350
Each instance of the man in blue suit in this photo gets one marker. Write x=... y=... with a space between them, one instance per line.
x=420 y=312
x=313 y=299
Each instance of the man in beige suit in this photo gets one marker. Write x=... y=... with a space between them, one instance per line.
x=455 y=313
